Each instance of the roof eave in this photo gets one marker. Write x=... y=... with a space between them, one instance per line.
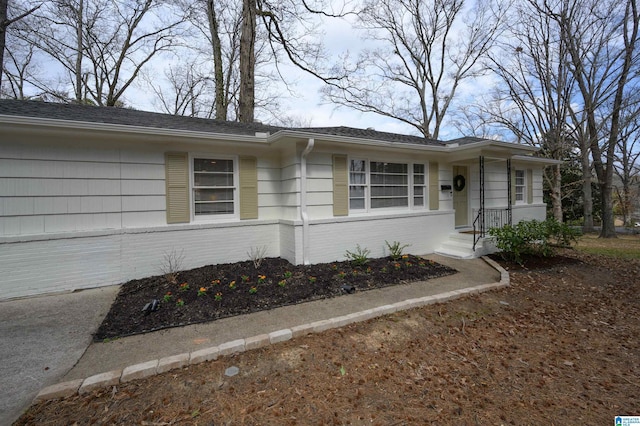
x=43 y=123
x=282 y=134
x=539 y=160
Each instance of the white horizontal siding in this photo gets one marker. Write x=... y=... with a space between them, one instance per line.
x=68 y=189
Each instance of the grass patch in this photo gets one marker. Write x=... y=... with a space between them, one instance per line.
x=623 y=247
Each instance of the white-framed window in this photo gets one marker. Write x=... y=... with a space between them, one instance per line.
x=213 y=186
x=521 y=186
x=386 y=185
x=419 y=185
x=358 y=185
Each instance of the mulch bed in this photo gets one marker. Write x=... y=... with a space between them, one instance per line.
x=218 y=291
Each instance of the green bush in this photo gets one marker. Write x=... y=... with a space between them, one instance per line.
x=561 y=234
x=532 y=237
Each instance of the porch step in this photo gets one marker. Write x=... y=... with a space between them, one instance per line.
x=459 y=245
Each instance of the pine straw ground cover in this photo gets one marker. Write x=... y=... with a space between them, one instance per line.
x=561 y=345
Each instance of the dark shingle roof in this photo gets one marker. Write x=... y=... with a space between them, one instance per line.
x=371 y=134
x=465 y=140
x=127 y=117
x=131 y=117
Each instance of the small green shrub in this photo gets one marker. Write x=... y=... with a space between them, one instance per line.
x=359 y=257
x=561 y=234
x=395 y=249
x=532 y=237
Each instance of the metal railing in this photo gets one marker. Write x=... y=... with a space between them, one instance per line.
x=487 y=219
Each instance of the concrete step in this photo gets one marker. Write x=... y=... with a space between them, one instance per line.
x=456 y=254
x=460 y=246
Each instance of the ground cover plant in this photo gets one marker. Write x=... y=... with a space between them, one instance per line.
x=218 y=291
x=560 y=345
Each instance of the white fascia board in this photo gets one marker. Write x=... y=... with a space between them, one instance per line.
x=355 y=141
x=539 y=160
x=486 y=143
x=141 y=131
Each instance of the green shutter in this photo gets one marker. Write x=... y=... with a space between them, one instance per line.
x=340 y=186
x=529 y=184
x=177 y=186
x=513 y=186
x=434 y=186
x=248 y=171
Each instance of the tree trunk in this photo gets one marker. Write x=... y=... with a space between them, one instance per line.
x=587 y=194
x=246 y=101
x=79 y=51
x=220 y=100
x=608 y=225
x=3 y=34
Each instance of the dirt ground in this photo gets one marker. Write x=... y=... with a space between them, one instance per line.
x=560 y=346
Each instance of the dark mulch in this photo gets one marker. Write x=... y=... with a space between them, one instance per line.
x=532 y=262
x=281 y=284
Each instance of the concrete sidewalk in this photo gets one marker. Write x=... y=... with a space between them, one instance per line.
x=121 y=353
x=42 y=338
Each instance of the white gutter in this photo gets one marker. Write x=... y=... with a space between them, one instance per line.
x=303 y=201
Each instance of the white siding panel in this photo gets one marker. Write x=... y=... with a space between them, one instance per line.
x=21 y=225
x=141 y=157
x=269 y=187
x=320 y=199
x=290 y=185
x=318 y=185
x=18 y=206
x=144 y=203
x=321 y=211
x=143 y=171
x=268 y=200
x=57 y=169
x=142 y=187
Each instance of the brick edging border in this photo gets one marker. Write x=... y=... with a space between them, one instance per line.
x=158 y=366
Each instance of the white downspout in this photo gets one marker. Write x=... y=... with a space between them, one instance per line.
x=303 y=201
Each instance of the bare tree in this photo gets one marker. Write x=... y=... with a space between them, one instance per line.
x=102 y=45
x=627 y=166
x=6 y=21
x=602 y=38
x=427 y=49
x=184 y=92
x=537 y=83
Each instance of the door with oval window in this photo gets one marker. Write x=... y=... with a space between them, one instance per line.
x=460 y=195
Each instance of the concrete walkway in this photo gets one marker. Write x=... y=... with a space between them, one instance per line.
x=63 y=330
x=41 y=339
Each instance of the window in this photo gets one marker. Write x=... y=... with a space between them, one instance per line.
x=357 y=184
x=213 y=186
x=378 y=185
x=419 y=182
x=389 y=185
x=520 y=186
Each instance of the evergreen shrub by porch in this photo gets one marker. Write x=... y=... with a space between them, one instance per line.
x=532 y=237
